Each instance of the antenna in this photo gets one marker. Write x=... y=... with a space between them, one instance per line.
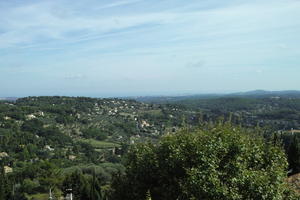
x=50 y=194
x=71 y=194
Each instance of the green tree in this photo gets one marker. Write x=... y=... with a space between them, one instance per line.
x=95 y=191
x=78 y=184
x=2 y=183
x=29 y=186
x=94 y=133
x=294 y=154
x=221 y=162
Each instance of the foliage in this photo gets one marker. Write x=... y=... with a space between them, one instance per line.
x=222 y=162
x=46 y=138
x=82 y=187
x=294 y=154
x=77 y=184
x=2 y=183
x=95 y=133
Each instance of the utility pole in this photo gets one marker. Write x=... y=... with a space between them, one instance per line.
x=50 y=194
x=71 y=194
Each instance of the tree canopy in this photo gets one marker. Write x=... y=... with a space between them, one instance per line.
x=220 y=162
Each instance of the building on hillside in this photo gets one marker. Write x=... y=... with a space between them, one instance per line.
x=47 y=147
x=3 y=155
x=71 y=157
x=30 y=117
x=7 y=169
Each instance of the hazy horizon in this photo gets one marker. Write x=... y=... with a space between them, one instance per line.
x=166 y=94
x=147 y=48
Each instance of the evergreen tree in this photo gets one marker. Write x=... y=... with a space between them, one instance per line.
x=95 y=188
x=78 y=184
x=2 y=182
x=294 y=155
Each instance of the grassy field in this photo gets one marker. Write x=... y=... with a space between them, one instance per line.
x=39 y=196
x=156 y=112
x=100 y=144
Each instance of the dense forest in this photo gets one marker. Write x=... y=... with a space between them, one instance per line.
x=101 y=148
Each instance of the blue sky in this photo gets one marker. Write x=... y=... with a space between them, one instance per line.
x=148 y=47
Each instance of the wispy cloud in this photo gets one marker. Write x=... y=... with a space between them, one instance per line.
x=43 y=24
x=118 y=3
x=75 y=76
x=198 y=64
x=142 y=36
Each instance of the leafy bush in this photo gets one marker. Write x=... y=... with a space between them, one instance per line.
x=95 y=133
x=221 y=162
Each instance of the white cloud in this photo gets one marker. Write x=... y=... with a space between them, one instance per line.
x=75 y=76
x=43 y=22
x=198 y=64
x=125 y=37
x=118 y=3
x=283 y=46
x=38 y=23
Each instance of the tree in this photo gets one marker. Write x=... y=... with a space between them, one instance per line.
x=221 y=162
x=95 y=191
x=95 y=133
x=78 y=184
x=2 y=183
x=294 y=155
x=29 y=186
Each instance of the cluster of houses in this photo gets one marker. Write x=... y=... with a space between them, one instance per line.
x=7 y=169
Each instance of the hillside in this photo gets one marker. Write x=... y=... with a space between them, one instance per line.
x=44 y=140
x=109 y=122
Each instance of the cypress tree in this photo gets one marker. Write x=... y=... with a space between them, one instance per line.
x=95 y=188
x=294 y=155
x=2 y=182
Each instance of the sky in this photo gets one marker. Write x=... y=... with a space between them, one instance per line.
x=104 y=48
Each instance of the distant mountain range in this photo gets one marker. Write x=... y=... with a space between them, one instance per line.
x=249 y=94
x=264 y=93
x=163 y=99
x=8 y=98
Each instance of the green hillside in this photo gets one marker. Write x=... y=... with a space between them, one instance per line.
x=52 y=142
